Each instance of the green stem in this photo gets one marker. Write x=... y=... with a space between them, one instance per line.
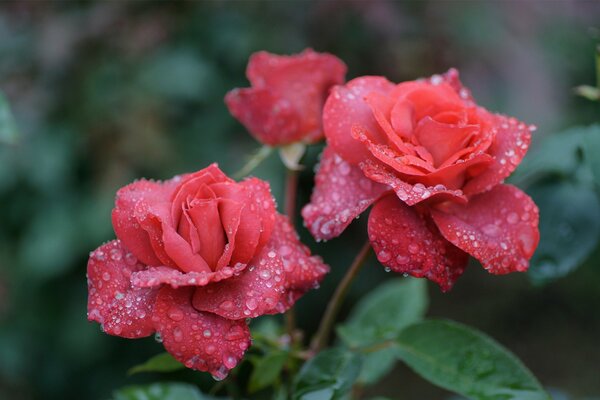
x=254 y=162
x=322 y=336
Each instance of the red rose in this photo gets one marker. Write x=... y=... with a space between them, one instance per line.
x=195 y=257
x=286 y=99
x=433 y=163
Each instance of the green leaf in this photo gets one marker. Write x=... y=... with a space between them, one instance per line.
x=163 y=362
x=8 y=127
x=267 y=370
x=591 y=148
x=569 y=228
x=556 y=154
x=380 y=316
x=465 y=361
x=160 y=391
x=328 y=376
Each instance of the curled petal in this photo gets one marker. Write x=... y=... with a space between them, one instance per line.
x=252 y=293
x=408 y=242
x=126 y=226
x=499 y=228
x=201 y=341
x=302 y=271
x=341 y=193
x=157 y=276
x=508 y=148
x=121 y=309
x=346 y=107
x=256 y=218
x=409 y=193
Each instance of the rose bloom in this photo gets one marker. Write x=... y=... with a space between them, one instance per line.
x=432 y=162
x=286 y=99
x=196 y=256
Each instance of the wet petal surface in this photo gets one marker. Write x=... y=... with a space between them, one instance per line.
x=201 y=341
x=252 y=293
x=341 y=193
x=121 y=310
x=408 y=242
x=499 y=228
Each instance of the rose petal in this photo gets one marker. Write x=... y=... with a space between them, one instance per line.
x=256 y=218
x=126 y=227
x=408 y=242
x=346 y=107
x=157 y=276
x=499 y=228
x=271 y=119
x=302 y=271
x=285 y=102
x=207 y=222
x=508 y=149
x=121 y=309
x=201 y=341
x=341 y=193
x=408 y=193
x=443 y=140
x=252 y=293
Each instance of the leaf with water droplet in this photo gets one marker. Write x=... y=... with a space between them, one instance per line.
x=163 y=362
x=466 y=361
x=569 y=228
x=381 y=315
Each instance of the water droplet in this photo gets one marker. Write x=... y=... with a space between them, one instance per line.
x=177 y=334
x=227 y=305
x=229 y=361
x=207 y=333
x=158 y=337
x=252 y=304
x=106 y=276
x=384 y=256
x=413 y=248
x=264 y=274
x=400 y=259
x=175 y=314
x=512 y=218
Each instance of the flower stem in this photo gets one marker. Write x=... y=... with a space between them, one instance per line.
x=291 y=191
x=254 y=162
x=322 y=336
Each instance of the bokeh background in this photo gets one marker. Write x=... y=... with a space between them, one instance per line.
x=107 y=92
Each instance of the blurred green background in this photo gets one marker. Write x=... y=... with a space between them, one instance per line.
x=107 y=92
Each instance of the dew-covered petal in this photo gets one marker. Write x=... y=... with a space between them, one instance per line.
x=302 y=271
x=201 y=341
x=341 y=193
x=157 y=276
x=121 y=310
x=285 y=102
x=498 y=227
x=127 y=227
x=346 y=107
x=406 y=241
x=252 y=293
x=270 y=118
x=510 y=144
x=407 y=192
